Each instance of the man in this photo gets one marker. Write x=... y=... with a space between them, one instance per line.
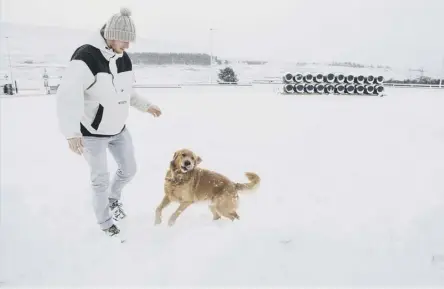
x=93 y=102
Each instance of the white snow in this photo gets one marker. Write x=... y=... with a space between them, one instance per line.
x=351 y=194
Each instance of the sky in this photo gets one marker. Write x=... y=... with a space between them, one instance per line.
x=387 y=32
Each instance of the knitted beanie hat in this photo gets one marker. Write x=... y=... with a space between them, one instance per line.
x=120 y=27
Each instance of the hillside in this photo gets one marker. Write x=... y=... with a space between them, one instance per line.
x=56 y=44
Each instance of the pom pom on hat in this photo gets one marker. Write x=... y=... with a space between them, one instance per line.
x=125 y=11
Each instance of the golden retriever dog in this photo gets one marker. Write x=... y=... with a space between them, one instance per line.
x=186 y=184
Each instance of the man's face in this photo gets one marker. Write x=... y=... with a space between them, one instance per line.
x=119 y=46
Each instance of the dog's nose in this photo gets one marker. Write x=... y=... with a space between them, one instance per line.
x=187 y=163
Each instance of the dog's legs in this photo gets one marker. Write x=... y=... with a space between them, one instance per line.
x=165 y=202
x=227 y=207
x=213 y=210
x=234 y=215
x=179 y=211
x=230 y=215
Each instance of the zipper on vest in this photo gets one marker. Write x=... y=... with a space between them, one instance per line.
x=112 y=80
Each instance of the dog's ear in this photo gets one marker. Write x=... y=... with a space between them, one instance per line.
x=173 y=161
x=198 y=160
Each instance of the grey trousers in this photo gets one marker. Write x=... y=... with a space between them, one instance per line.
x=95 y=152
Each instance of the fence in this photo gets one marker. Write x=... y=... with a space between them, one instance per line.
x=51 y=88
x=413 y=85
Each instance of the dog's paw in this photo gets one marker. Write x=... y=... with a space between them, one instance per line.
x=158 y=220
x=171 y=222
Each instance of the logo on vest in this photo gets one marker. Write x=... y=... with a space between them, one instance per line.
x=122 y=102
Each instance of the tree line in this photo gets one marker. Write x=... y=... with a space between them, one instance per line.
x=161 y=58
x=171 y=58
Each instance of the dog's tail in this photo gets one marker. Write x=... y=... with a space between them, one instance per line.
x=254 y=182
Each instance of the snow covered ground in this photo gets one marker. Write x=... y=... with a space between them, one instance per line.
x=351 y=195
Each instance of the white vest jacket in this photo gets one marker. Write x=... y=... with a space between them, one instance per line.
x=96 y=91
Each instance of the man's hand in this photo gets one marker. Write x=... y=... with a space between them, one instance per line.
x=76 y=145
x=154 y=110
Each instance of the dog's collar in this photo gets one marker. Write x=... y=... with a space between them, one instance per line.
x=177 y=179
x=171 y=180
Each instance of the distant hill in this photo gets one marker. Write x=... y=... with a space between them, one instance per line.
x=31 y=45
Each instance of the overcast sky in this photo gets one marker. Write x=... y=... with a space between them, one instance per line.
x=394 y=32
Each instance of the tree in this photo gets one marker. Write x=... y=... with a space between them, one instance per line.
x=227 y=75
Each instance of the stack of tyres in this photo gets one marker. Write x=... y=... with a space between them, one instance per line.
x=332 y=83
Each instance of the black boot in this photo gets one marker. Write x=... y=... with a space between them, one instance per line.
x=112 y=231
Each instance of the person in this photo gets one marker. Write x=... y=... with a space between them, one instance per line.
x=93 y=102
